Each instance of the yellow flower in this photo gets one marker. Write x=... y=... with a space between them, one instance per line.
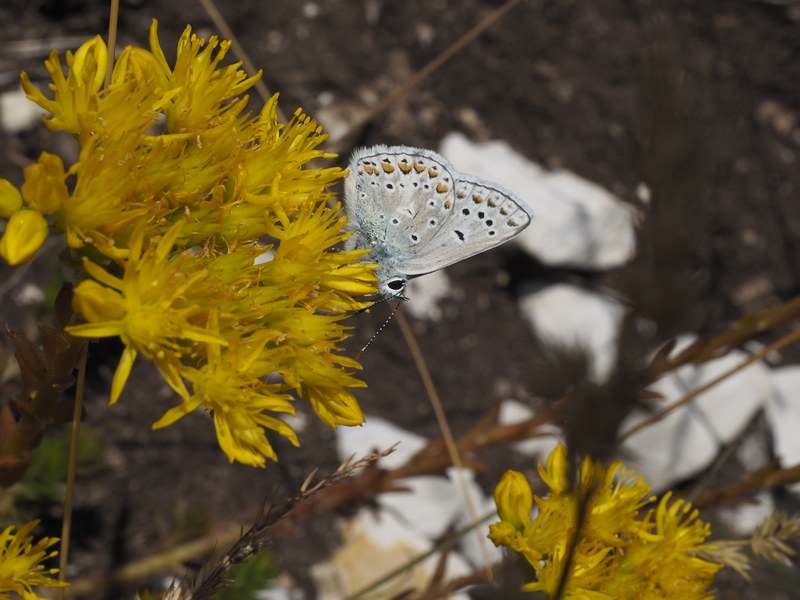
x=152 y=308
x=77 y=94
x=672 y=529
x=20 y=562
x=230 y=385
x=200 y=79
x=176 y=189
x=25 y=233
x=619 y=552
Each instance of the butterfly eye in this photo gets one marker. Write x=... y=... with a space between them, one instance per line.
x=396 y=284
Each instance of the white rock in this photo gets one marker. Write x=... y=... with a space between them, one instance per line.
x=424 y=294
x=374 y=545
x=569 y=316
x=298 y=421
x=475 y=546
x=378 y=434
x=577 y=223
x=744 y=518
x=752 y=451
x=282 y=588
x=429 y=507
x=311 y=10
x=339 y=118
x=538 y=448
x=689 y=438
x=17 y=113
x=29 y=294
x=783 y=414
x=430 y=504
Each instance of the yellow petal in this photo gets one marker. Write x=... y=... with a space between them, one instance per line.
x=176 y=413
x=158 y=53
x=10 y=198
x=97 y=303
x=122 y=373
x=173 y=377
x=351 y=286
x=25 y=233
x=554 y=474
x=97 y=330
x=103 y=276
x=90 y=63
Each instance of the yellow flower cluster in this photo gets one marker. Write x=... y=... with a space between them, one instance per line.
x=206 y=242
x=20 y=563
x=622 y=551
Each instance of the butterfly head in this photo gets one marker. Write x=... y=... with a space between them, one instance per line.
x=391 y=280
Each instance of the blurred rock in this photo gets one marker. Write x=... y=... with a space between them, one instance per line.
x=374 y=544
x=689 y=438
x=17 y=113
x=577 y=223
x=569 y=316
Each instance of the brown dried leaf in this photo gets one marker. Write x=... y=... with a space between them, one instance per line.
x=63 y=305
x=31 y=362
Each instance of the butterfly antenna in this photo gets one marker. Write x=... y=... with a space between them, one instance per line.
x=400 y=299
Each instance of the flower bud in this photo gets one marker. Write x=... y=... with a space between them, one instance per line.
x=25 y=233
x=10 y=198
x=514 y=499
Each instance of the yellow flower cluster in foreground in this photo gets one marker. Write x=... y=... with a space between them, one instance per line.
x=20 y=562
x=176 y=192
x=622 y=550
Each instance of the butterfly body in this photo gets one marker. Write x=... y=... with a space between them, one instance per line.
x=418 y=214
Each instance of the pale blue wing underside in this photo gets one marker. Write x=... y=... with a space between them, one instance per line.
x=420 y=215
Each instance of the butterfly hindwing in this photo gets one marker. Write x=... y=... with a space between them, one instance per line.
x=484 y=216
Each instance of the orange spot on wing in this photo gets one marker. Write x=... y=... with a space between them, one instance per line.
x=433 y=172
x=447 y=204
x=477 y=198
x=387 y=168
x=418 y=168
x=442 y=188
x=404 y=167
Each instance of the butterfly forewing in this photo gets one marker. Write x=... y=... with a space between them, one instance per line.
x=404 y=195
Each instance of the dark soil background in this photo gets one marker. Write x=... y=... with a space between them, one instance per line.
x=565 y=83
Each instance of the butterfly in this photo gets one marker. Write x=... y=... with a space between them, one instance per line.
x=418 y=214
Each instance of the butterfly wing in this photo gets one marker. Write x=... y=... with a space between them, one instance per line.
x=420 y=215
x=398 y=197
x=484 y=216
